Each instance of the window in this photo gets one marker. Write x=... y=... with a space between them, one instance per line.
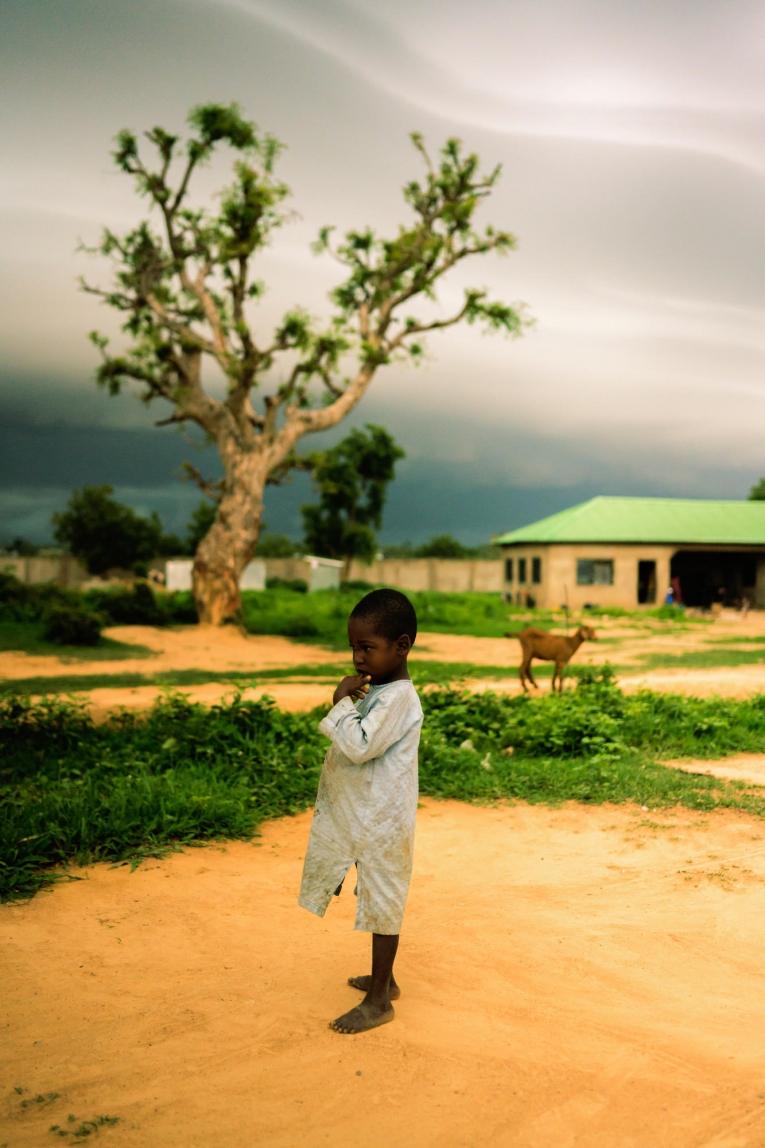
x=521 y=569
x=536 y=570
x=594 y=572
x=508 y=569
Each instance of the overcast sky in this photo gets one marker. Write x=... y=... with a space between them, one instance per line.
x=632 y=139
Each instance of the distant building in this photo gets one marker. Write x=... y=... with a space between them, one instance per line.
x=628 y=551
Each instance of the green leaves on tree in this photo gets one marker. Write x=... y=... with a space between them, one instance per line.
x=352 y=480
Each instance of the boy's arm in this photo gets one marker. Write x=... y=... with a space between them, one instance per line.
x=362 y=738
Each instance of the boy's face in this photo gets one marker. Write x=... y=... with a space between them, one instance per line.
x=374 y=654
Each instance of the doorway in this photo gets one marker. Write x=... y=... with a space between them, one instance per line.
x=708 y=576
x=646 y=582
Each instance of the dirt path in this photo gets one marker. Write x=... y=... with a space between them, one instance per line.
x=296 y=696
x=186 y=648
x=583 y=978
x=208 y=648
x=738 y=767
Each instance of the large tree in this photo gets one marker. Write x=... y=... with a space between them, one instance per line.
x=185 y=288
x=351 y=479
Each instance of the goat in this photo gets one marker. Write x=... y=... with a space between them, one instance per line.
x=550 y=648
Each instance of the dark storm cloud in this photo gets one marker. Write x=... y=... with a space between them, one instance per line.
x=634 y=159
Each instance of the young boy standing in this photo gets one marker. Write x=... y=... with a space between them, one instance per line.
x=367 y=797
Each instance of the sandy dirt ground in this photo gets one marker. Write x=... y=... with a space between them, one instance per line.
x=187 y=647
x=208 y=648
x=570 y=978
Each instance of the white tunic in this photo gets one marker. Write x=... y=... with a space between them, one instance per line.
x=366 y=806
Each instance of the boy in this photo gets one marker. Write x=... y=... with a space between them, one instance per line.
x=367 y=797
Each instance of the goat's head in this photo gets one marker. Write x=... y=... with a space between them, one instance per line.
x=587 y=633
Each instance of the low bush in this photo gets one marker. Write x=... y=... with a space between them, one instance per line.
x=136 y=606
x=297 y=585
x=20 y=602
x=69 y=624
x=141 y=606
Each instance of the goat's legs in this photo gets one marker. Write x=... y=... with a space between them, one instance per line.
x=530 y=676
x=558 y=673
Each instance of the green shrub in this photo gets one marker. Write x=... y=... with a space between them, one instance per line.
x=178 y=607
x=297 y=585
x=122 y=607
x=670 y=613
x=20 y=602
x=71 y=625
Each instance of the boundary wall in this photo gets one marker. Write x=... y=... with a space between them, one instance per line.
x=453 y=575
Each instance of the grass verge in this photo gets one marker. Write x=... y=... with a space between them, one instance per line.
x=138 y=785
x=424 y=673
x=27 y=638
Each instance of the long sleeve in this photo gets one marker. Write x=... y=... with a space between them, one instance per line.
x=361 y=739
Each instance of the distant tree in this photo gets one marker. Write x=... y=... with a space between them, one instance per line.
x=23 y=547
x=168 y=545
x=399 y=550
x=351 y=479
x=757 y=493
x=103 y=533
x=444 y=546
x=184 y=291
x=276 y=546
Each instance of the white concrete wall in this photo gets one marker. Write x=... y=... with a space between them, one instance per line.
x=178 y=575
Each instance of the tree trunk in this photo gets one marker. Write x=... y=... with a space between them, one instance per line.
x=229 y=544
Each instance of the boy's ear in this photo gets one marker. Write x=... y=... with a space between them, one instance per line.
x=404 y=644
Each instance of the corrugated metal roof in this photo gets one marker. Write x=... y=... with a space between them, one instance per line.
x=668 y=520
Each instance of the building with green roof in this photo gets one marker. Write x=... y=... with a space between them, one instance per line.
x=628 y=552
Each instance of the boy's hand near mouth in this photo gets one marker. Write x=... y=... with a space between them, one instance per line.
x=354 y=686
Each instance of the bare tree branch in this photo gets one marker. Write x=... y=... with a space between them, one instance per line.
x=210 y=487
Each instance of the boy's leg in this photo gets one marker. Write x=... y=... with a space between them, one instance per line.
x=364 y=983
x=375 y=1009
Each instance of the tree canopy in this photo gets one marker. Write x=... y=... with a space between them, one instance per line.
x=104 y=534
x=351 y=479
x=183 y=283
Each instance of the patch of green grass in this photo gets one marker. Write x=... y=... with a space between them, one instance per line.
x=82 y=683
x=423 y=673
x=139 y=785
x=703 y=659
x=752 y=640
x=26 y=638
x=322 y=616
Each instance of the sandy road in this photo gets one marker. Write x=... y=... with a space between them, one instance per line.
x=583 y=978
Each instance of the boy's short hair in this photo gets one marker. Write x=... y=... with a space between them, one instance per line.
x=390 y=611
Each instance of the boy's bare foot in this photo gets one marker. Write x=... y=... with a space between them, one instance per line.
x=363 y=984
x=361 y=1018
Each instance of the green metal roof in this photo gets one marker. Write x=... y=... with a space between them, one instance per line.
x=668 y=520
